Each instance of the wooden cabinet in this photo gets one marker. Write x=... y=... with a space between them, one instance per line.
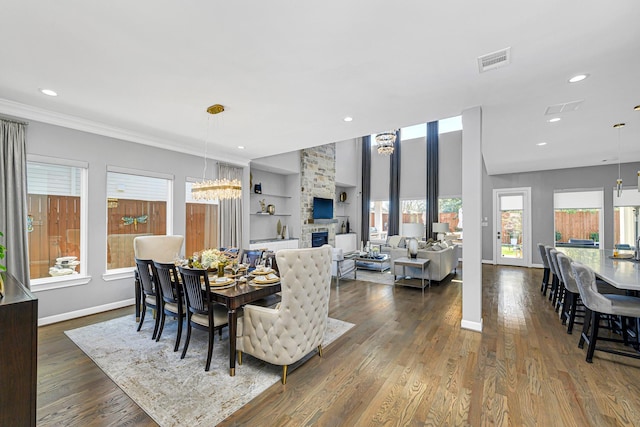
x=19 y=354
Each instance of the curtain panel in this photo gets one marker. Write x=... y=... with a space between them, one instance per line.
x=366 y=187
x=230 y=210
x=13 y=198
x=393 y=228
x=432 y=177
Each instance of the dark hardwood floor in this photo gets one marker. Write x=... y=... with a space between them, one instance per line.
x=406 y=362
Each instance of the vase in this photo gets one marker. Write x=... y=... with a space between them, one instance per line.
x=412 y=247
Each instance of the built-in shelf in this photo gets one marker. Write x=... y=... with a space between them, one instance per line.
x=270 y=195
x=267 y=214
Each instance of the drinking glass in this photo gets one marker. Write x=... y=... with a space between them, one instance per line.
x=267 y=263
x=235 y=267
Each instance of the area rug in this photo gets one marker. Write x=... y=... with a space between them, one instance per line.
x=179 y=392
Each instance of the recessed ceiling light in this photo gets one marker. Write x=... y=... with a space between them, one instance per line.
x=49 y=92
x=540 y=144
x=348 y=119
x=555 y=119
x=578 y=78
x=240 y=147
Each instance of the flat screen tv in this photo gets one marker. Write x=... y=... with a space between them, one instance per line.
x=322 y=208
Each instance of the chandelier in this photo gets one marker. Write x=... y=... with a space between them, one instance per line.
x=385 y=142
x=216 y=189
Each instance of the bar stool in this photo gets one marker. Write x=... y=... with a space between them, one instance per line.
x=558 y=293
x=598 y=304
x=545 y=275
x=572 y=293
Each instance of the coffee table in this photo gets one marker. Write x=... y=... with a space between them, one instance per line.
x=380 y=263
x=404 y=262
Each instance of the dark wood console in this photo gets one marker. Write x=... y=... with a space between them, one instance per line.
x=18 y=354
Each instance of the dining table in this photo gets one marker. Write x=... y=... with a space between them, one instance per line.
x=621 y=271
x=234 y=298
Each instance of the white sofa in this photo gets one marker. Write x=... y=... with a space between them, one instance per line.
x=442 y=262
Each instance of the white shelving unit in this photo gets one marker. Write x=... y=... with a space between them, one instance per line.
x=279 y=190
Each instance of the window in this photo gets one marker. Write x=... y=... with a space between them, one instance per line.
x=138 y=204
x=414 y=215
x=450 y=211
x=56 y=218
x=202 y=224
x=378 y=221
x=578 y=218
x=626 y=210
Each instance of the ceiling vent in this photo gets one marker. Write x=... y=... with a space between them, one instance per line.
x=494 y=60
x=565 y=107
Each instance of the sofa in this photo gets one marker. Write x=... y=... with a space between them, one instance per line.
x=443 y=260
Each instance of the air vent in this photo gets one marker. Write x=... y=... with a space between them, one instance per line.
x=565 y=107
x=494 y=60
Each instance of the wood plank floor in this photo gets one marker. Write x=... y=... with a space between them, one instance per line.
x=406 y=362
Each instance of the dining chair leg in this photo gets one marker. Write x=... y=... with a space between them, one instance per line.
x=566 y=303
x=157 y=325
x=595 y=323
x=210 y=349
x=239 y=357
x=585 y=327
x=545 y=281
x=572 y=313
x=320 y=350
x=186 y=341
x=284 y=374
x=144 y=310
x=163 y=316
x=179 y=334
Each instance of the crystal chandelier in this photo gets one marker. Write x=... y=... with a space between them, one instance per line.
x=385 y=142
x=216 y=189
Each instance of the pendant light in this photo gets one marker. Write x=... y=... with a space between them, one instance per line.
x=619 y=180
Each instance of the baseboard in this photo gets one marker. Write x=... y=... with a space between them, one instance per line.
x=487 y=261
x=85 y=312
x=473 y=326
x=537 y=266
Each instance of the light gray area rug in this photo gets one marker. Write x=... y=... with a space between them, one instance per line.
x=178 y=392
x=374 y=276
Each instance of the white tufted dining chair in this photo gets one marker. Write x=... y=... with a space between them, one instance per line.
x=285 y=334
x=157 y=248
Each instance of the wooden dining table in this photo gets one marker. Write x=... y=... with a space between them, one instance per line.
x=621 y=272
x=234 y=298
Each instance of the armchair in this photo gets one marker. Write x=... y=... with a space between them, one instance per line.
x=285 y=334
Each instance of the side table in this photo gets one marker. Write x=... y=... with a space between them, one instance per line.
x=422 y=263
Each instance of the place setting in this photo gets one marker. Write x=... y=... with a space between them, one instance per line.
x=264 y=274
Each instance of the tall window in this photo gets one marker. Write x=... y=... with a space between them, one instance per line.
x=578 y=217
x=450 y=211
x=378 y=221
x=202 y=229
x=414 y=214
x=137 y=205
x=56 y=210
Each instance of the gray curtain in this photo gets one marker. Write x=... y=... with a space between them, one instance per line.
x=230 y=211
x=393 y=228
x=13 y=198
x=432 y=177
x=366 y=187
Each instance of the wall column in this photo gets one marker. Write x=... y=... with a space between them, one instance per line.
x=472 y=209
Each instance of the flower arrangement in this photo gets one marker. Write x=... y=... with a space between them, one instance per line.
x=210 y=259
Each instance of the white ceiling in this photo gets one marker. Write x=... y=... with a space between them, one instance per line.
x=288 y=72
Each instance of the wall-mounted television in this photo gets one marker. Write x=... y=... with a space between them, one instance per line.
x=322 y=208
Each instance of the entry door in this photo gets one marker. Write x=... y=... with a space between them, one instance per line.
x=512 y=229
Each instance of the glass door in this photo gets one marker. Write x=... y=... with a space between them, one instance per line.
x=512 y=227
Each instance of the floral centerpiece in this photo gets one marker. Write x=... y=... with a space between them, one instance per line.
x=210 y=259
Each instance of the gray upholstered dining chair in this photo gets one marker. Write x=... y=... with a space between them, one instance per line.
x=286 y=333
x=598 y=304
x=572 y=293
x=545 y=275
x=157 y=248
